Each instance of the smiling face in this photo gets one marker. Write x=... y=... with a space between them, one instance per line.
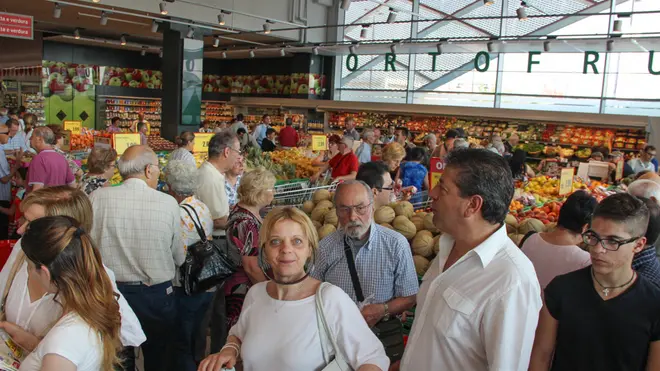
x=607 y=261
x=287 y=250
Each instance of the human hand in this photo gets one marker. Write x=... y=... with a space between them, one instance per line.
x=373 y=313
x=216 y=362
x=395 y=366
x=21 y=337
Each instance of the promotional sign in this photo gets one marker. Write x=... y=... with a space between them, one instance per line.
x=619 y=170
x=74 y=126
x=102 y=142
x=566 y=181
x=66 y=136
x=319 y=142
x=437 y=166
x=202 y=142
x=122 y=141
x=16 y=26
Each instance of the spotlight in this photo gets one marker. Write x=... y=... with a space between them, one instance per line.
x=160 y=54
x=391 y=18
x=490 y=46
x=191 y=33
x=76 y=33
x=282 y=53
x=489 y=2
x=122 y=40
x=393 y=48
x=315 y=50
x=266 y=27
x=224 y=55
x=143 y=52
x=345 y=4
x=351 y=49
x=163 y=8
x=96 y=1
x=57 y=11
x=216 y=42
x=221 y=19
x=618 y=26
x=251 y=53
x=104 y=18
x=439 y=47
x=364 y=32
x=154 y=26
x=546 y=46
x=610 y=45
x=522 y=11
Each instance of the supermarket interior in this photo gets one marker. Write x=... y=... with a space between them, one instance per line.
x=320 y=93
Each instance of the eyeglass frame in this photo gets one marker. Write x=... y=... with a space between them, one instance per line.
x=240 y=153
x=343 y=209
x=600 y=240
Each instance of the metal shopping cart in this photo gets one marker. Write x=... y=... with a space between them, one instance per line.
x=419 y=200
x=296 y=193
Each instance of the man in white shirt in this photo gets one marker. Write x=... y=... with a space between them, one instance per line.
x=363 y=152
x=479 y=301
x=644 y=161
x=247 y=139
x=138 y=231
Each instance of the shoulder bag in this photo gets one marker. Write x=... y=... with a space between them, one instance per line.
x=338 y=363
x=208 y=262
x=390 y=331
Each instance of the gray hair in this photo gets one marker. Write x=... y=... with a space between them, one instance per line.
x=645 y=188
x=136 y=165
x=46 y=134
x=461 y=143
x=368 y=133
x=367 y=189
x=348 y=141
x=181 y=177
x=432 y=138
x=220 y=141
x=499 y=146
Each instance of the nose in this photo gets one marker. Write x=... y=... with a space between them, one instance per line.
x=435 y=193
x=22 y=228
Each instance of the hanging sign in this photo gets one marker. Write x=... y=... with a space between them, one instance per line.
x=619 y=170
x=437 y=167
x=566 y=181
x=16 y=26
x=102 y=142
x=319 y=143
x=122 y=141
x=66 y=140
x=202 y=142
x=74 y=126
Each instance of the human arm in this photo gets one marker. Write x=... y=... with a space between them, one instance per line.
x=21 y=337
x=178 y=252
x=322 y=169
x=10 y=210
x=544 y=342
x=252 y=269
x=318 y=160
x=220 y=223
x=37 y=186
x=653 y=362
x=425 y=182
x=373 y=313
x=55 y=362
x=350 y=176
x=529 y=171
x=226 y=357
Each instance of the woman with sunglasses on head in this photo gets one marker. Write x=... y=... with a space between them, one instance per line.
x=278 y=328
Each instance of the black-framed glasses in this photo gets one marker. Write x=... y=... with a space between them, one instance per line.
x=590 y=238
x=240 y=153
x=359 y=209
x=390 y=188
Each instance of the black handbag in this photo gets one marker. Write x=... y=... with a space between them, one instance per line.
x=389 y=332
x=208 y=262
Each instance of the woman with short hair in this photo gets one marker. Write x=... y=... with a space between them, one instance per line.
x=393 y=154
x=278 y=328
x=101 y=165
x=186 y=143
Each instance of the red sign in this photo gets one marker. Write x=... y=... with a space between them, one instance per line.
x=16 y=26
x=437 y=167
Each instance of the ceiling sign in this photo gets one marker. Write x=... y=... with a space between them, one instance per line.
x=16 y=26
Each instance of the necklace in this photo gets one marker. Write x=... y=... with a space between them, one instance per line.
x=606 y=290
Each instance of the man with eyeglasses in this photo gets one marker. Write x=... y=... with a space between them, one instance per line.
x=605 y=316
x=365 y=255
x=377 y=176
x=644 y=161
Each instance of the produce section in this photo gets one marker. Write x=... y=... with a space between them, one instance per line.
x=216 y=112
x=128 y=109
x=34 y=104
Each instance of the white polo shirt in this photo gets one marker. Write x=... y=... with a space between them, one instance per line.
x=637 y=165
x=211 y=192
x=480 y=314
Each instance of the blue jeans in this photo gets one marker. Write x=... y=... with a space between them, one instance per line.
x=155 y=308
x=191 y=311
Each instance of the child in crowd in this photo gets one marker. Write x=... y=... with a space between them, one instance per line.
x=14 y=210
x=414 y=174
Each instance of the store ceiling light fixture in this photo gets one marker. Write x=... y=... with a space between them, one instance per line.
x=546 y=46
x=352 y=49
x=609 y=45
x=57 y=11
x=251 y=53
x=221 y=18
x=393 y=48
x=490 y=46
x=104 y=18
x=267 y=26
x=364 y=33
x=76 y=34
x=122 y=40
x=224 y=55
x=160 y=54
x=96 y=1
x=391 y=18
x=439 y=47
x=315 y=50
x=163 y=8
x=282 y=53
x=617 y=26
x=345 y=4
x=489 y=2
x=216 y=42
x=522 y=11
x=143 y=52
x=191 y=33
x=154 y=26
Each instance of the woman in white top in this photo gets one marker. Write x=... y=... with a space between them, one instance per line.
x=63 y=261
x=278 y=328
x=186 y=143
x=181 y=177
x=29 y=312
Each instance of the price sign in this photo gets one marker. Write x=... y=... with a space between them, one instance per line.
x=319 y=142
x=102 y=142
x=566 y=181
x=124 y=140
x=619 y=170
x=202 y=142
x=74 y=126
x=437 y=166
x=66 y=140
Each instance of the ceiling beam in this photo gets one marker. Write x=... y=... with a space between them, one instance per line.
x=566 y=21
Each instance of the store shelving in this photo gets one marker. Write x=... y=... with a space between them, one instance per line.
x=128 y=108
x=216 y=112
x=34 y=104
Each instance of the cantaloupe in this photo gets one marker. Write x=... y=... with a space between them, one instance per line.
x=428 y=224
x=404 y=208
x=326 y=230
x=308 y=206
x=422 y=244
x=550 y=227
x=319 y=213
x=510 y=219
x=421 y=264
x=325 y=204
x=516 y=238
x=384 y=214
x=316 y=225
x=331 y=217
x=320 y=195
x=421 y=214
x=418 y=222
x=531 y=224
x=404 y=226
x=436 y=244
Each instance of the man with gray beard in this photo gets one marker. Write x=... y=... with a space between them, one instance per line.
x=380 y=259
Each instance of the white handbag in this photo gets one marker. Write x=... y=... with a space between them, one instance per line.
x=338 y=363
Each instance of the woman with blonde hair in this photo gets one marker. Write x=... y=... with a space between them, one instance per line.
x=63 y=262
x=255 y=192
x=186 y=143
x=100 y=169
x=278 y=328
x=393 y=154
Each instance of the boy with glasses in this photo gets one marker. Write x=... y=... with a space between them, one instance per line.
x=605 y=316
x=644 y=161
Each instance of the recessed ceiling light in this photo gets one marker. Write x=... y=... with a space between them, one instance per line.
x=76 y=33
x=266 y=27
x=57 y=11
x=122 y=40
x=104 y=18
x=163 y=8
x=221 y=19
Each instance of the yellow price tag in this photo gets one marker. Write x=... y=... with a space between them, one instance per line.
x=74 y=126
x=122 y=141
x=619 y=170
x=566 y=181
x=66 y=140
x=202 y=142
x=319 y=142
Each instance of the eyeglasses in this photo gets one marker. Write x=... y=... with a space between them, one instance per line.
x=390 y=188
x=359 y=209
x=240 y=153
x=590 y=238
x=652 y=154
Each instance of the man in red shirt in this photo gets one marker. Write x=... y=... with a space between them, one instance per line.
x=288 y=135
x=344 y=165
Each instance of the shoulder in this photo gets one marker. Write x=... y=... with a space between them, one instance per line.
x=513 y=266
x=391 y=239
x=330 y=241
x=335 y=299
x=71 y=329
x=650 y=291
x=565 y=283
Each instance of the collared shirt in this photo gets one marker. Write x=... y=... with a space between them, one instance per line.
x=352 y=133
x=646 y=263
x=638 y=165
x=4 y=119
x=288 y=137
x=212 y=192
x=138 y=231
x=479 y=314
x=260 y=133
x=182 y=154
x=16 y=142
x=363 y=153
x=48 y=169
x=384 y=265
x=232 y=194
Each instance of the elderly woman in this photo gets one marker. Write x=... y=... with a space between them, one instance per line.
x=333 y=150
x=59 y=141
x=182 y=181
x=278 y=328
x=255 y=192
x=186 y=143
x=232 y=181
x=393 y=154
x=100 y=169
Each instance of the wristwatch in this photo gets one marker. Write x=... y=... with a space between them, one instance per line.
x=386 y=316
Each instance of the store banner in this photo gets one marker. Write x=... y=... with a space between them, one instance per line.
x=191 y=97
x=437 y=166
x=16 y=26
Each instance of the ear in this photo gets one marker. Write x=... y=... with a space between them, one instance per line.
x=474 y=205
x=639 y=245
x=375 y=191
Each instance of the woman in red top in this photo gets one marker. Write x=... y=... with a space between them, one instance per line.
x=344 y=165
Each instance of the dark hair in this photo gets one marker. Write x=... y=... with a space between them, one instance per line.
x=184 y=138
x=653 y=228
x=372 y=173
x=460 y=132
x=11 y=122
x=451 y=134
x=240 y=117
x=264 y=117
x=643 y=172
x=289 y=121
x=21 y=109
x=404 y=130
x=577 y=211
x=270 y=131
x=22 y=171
x=12 y=111
x=517 y=162
x=140 y=125
x=114 y=119
x=334 y=138
x=416 y=154
x=483 y=173
x=220 y=141
x=625 y=209
x=649 y=148
x=241 y=131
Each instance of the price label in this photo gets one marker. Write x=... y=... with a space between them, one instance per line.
x=619 y=170
x=74 y=126
x=319 y=142
x=202 y=142
x=102 y=142
x=124 y=140
x=566 y=181
x=66 y=140
x=437 y=167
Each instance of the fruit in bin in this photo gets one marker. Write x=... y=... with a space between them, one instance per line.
x=387 y=225
x=325 y=204
x=303 y=89
x=422 y=244
x=318 y=214
x=384 y=214
x=320 y=195
x=418 y=221
x=331 y=217
x=134 y=84
x=421 y=264
x=115 y=81
x=326 y=230
x=404 y=208
x=316 y=225
x=308 y=206
x=531 y=224
x=404 y=226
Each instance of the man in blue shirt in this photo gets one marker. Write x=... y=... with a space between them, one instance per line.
x=260 y=130
x=4 y=116
x=363 y=152
x=16 y=139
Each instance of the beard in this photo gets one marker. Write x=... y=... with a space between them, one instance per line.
x=356 y=229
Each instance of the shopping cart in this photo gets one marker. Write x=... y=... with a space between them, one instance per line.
x=419 y=200
x=295 y=194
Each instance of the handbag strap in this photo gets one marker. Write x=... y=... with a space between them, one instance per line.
x=351 y=269
x=324 y=330
x=187 y=208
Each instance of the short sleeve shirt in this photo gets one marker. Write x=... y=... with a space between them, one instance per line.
x=49 y=168
x=212 y=192
x=597 y=334
x=344 y=164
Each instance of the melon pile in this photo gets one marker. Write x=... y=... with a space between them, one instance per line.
x=517 y=230
x=322 y=212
